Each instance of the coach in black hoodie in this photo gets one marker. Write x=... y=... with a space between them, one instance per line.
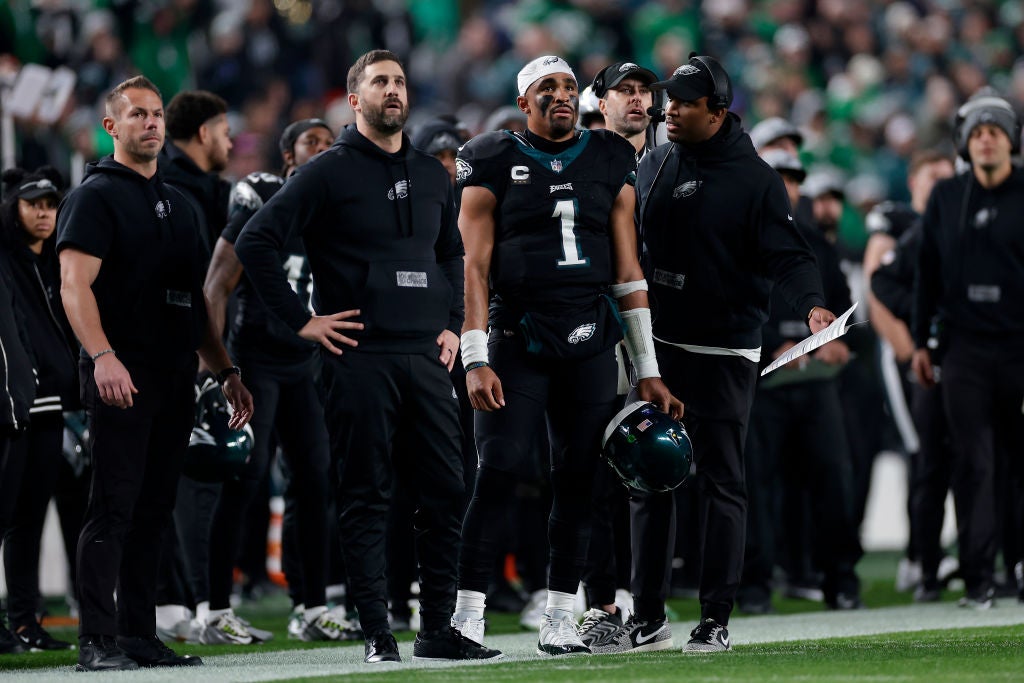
x=718 y=231
x=378 y=222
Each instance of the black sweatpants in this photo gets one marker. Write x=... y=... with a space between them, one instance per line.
x=717 y=392
x=369 y=397
x=983 y=395
x=286 y=400
x=41 y=456
x=137 y=456
x=930 y=472
x=577 y=399
x=797 y=431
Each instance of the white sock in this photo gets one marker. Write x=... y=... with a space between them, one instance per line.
x=216 y=613
x=311 y=613
x=560 y=605
x=470 y=605
x=203 y=611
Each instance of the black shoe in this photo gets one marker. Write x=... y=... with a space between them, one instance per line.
x=9 y=643
x=709 y=636
x=979 y=599
x=381 y=647
x=150 y=651
x=101 y=653
x=449 y=644
x=845 y=601
x=36 y=638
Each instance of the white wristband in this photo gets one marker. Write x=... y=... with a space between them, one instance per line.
x=474 y=347
x=640 y=342
x=622 y=289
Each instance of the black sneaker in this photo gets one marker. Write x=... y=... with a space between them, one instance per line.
x=9 y=643
x=101 y=653
x=980 y=599
x=709 y=636
x=150 y=651
x=844 y=601
x=381 y=647
x=598 y=624
x=449 y=644
x=636 y=636
x=36 y=639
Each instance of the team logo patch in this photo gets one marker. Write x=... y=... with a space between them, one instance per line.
x=163 y=208
x=642 y=427
x=556 y=188
x=686 y=70
x=985 y=216
x=549 y=60
x=628 y=66
x=687 y=189
x=400 y=190
x=582 y=333
x=556 y=165
x=410 y=278
x=462 y=170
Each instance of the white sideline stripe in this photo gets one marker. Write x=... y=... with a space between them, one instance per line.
x=266 y=665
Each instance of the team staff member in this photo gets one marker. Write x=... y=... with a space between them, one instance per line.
x=718 y=229
x=970 y=280
x=377 y=219
x=623 y=98
x=131 y=280
x=28 y=217
x=280 y=369
x=547 y=218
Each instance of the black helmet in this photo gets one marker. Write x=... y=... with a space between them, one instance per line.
x=647 y=448
x=216 y=452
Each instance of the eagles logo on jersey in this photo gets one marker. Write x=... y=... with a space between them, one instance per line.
x=253 y=191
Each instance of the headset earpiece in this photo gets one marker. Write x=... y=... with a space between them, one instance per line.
x=722 y=97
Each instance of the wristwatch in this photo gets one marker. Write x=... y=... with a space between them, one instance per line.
x=223 y=375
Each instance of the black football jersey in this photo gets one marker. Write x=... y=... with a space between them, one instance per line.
x=552 y=243
x=255 y=332
x=891 y=218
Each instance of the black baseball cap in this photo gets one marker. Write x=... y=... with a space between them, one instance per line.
x=612 y=75
x=292 y=132
x=689 y=82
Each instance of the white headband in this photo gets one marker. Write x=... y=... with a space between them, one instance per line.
x=539 y=68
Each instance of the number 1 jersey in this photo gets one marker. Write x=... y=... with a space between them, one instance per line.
x=552 y=240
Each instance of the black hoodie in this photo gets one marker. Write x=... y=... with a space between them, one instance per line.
x=381 y=235
x=150 y=286
x=208 y=191
x=17 y=380
x=717 y=231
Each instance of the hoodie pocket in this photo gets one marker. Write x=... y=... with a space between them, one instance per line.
x=406 y=298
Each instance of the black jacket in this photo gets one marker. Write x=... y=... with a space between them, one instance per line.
x=149 y=290
x=381 y=235
x=718 y=231
x=971 y=264
x=208 y=191
x=37 y=282
x=17 y=378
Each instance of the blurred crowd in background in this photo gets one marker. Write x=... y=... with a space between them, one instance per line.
x=867 y=82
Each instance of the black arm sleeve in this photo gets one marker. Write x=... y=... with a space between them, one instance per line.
x=265 y=235
x=450 y=252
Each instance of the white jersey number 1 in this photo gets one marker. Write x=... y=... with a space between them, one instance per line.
x=565 y=211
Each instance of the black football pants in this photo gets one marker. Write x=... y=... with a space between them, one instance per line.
x=930 y=472
x=285 y=400
x=369 y=397
x=577 y=399
x=137 y=457
x=983 y=395
x=717 y=392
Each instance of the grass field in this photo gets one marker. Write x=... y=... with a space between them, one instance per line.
x=892 y=640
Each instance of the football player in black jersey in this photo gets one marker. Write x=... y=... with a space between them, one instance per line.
x=281 y=368
x=547 y=221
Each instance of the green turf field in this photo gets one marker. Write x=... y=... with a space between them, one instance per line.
x=892 y=640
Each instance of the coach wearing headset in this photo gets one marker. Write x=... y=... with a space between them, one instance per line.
x=969 y=299
x=718 y=230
